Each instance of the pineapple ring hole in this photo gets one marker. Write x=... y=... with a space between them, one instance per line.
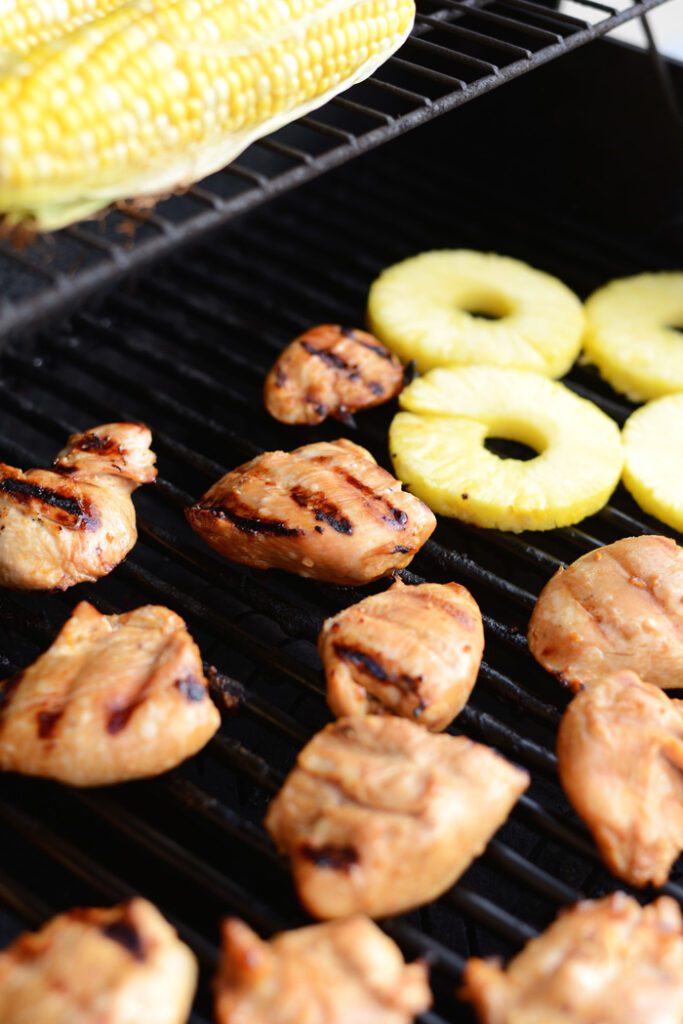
x=506 y=448
x=485 y=305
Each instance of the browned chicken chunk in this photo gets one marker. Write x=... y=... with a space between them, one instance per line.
x=607 y=961
x=120 y=966
x=331 y=371
x=620 y=607
x=74 y=522
x=343 y=972
x=620 y=752
x=379 y=815
x=326 y=511
x=115 y=697
x=410 y=651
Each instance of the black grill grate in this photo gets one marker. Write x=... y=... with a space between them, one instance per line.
x=459 y=49
x=186 y=351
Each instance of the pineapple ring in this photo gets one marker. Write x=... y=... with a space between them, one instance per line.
x=429 y=308
x=653 y=446
x=437 y=446
x=631 y=334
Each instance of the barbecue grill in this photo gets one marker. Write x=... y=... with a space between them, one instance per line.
x=576 y=169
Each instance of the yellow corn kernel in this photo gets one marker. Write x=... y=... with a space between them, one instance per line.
x=171 y=90
x=23 y=25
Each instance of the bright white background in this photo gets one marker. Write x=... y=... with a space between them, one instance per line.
x=667 y=26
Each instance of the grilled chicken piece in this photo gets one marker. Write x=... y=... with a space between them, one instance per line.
x=343 y=972
x=620 y=607
x=74 y=522
x=123 y=965
x=411 y=651
x=601 y=962
x=115 y=697
x=331 y=371
x=379 y=815
x=326 y=511
x=620 y=752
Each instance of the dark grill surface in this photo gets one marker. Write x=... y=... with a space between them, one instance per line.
x=458 y=50
x=186 y=351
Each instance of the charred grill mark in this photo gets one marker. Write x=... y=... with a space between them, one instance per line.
x=320 y=408
x=25 y=492
x=361 y=660
x=394 y=517
x=103 y=445
x=241 y=517
x=383 y=353
x=330 y=358
x=356 y=483
x=120 y=717
x=368 y=664
x=335 y=858
x=191 y=688
x=47 y=722
x=465 y=618
x=400 y=549
x=63 y=470
x=324 y=510
x=127 y=935
x=7 y=688
x=280 y=377
x=376 y=388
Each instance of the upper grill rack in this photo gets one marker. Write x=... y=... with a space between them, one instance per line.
x=459 y=49
x=187 y=352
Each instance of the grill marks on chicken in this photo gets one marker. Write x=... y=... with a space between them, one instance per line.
x=620 y=753
x=74 y=522
x=56 y=505
x=335 y=973
x=606 y=961
x=115 y=697
x=379 y=815
x=331 y=371
x=120 y=966
x=410 y=651
x=326 y=511
x=620 y=607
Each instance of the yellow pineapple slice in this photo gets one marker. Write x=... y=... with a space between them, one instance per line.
x=631 y=334
x=653 y=449
x=437 y=447
x=458 y=307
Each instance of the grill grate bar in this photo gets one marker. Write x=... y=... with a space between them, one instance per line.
x=480 y=37
x=491 y=916
x=216 y=883
x=484 y=14
x=25 y=904
x=549 y=14
x=97 y=878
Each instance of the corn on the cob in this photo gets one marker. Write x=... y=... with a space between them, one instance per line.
x=24 y=25
x=139 y=97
